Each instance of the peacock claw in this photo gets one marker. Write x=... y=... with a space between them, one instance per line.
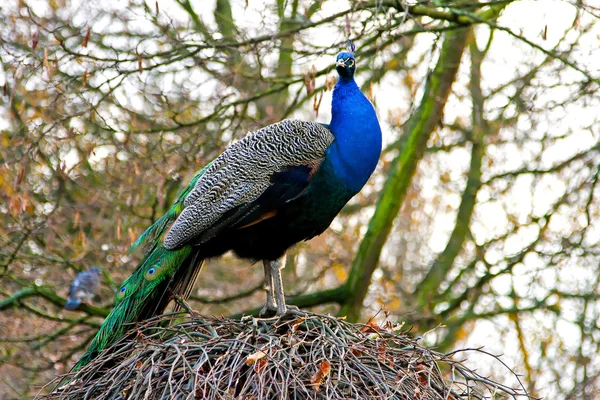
x=290 y=311
x=267 y=311
x=293 y=309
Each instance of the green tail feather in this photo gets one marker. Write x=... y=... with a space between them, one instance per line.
x=146 y=293
x=159 y=276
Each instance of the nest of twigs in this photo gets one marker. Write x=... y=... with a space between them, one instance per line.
x=179 y=356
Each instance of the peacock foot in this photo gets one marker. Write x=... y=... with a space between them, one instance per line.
x=289 y=310
x=278 y=312
x=268 y=310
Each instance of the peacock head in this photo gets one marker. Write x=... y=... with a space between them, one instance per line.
x=96 y=270
x=345 y=65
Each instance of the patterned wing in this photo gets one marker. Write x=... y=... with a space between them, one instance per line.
x=276 y=161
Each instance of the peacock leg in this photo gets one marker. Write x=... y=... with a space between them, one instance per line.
x=270 y=306
x=276 y=267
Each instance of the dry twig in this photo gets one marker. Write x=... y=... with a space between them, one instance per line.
x=179 y=356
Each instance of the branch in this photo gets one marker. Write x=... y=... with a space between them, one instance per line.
x=52 y=297
x=419 y=127
x=492 y=24
x=427 y=289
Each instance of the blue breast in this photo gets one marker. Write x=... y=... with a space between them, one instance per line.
x=354 y=154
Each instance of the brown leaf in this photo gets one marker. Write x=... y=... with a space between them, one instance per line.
x=83 y=239
x=119 y=227
x=317 y=103
x=330 y=83
x=34 y=39
x=307 y=83
x=388 y=326
x=322 y=371
x=20 y=176
x=76 y=219
x=356 y=351
x=15 y=205
x=370 y=327
x=545 y=32
x=252 y=358
x=46 y=64
x=132 y=235
x=297 y=323
x=24 y=202
x=421 y=373
x=310 y=80
x=86 y=38
x=260 y=364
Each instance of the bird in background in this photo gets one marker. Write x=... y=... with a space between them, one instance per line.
x=83 y=288
x=278 y=186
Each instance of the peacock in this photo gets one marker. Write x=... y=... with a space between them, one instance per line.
x=278 y=186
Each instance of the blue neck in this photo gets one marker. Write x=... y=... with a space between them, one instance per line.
x=357 y=146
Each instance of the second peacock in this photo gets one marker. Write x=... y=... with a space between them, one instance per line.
x=278 y=186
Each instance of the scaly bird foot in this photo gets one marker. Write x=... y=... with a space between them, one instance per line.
x=268 y=310
x=288 y=310
x=273 y=313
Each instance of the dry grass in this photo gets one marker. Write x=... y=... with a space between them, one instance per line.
x=307 y=356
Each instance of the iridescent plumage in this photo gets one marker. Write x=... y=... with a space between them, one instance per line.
x=280 y=185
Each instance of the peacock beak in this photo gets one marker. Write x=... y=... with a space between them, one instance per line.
x=340 y=63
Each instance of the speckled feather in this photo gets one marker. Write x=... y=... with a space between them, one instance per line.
x=243 y=172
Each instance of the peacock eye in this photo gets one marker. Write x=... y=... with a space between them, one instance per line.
x=151 y=271
x=123 y=289
x=350 y=63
